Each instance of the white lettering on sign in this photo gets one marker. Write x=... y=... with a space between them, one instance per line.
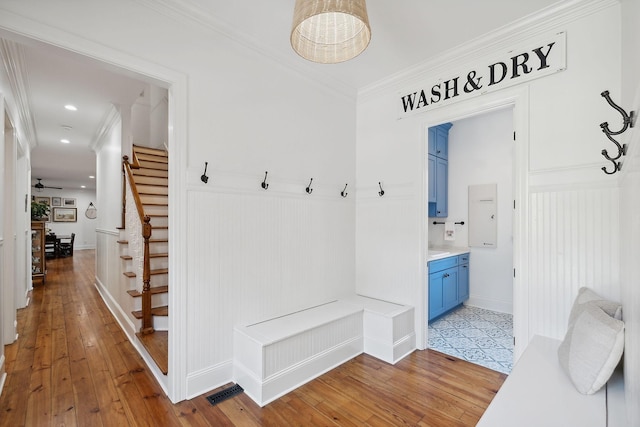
x=537 y=61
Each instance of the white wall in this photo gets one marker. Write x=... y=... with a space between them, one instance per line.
x=561 y=114
x=481 y=152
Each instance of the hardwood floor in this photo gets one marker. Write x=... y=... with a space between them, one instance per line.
x=73 y=366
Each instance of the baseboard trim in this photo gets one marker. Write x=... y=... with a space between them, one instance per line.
x=488 y=304
x=121 y=317
x=208 y=379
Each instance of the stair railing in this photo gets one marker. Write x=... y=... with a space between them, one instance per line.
x=147 y=318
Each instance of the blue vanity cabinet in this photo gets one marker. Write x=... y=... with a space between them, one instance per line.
x=438 y=164
x=448 y=284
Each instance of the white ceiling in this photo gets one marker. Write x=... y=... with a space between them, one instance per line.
x=404 y=33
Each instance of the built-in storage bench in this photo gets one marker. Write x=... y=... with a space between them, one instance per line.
x=389 y=331
x=278 y=355
x=539 y=393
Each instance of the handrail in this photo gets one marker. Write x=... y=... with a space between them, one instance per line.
x=147 y=318
x=134 y=190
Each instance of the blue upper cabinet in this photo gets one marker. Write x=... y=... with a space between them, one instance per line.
x=438 y=164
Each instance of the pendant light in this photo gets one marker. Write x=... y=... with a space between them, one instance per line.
x=330 y=31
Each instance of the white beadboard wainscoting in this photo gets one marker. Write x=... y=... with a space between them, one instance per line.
x=255 y=255
x=110 y=281
x=574 y=242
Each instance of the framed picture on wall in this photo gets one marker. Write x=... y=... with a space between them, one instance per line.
x=64 y=214
x=68 y=202
x=42 y=199
x=56 y=201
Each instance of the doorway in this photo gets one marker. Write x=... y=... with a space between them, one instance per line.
x=514 y=104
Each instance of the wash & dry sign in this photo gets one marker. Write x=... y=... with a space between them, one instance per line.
x=513 y=67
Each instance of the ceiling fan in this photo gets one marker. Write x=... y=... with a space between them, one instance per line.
x=40 y=186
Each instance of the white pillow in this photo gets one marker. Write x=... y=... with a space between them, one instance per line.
x=592 y=347
x=586 y=295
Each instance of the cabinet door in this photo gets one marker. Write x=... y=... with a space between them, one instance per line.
x=432 y=178
x=442 y=185
x=463 y=282
x=442 y=142
x=432 y=140
x=450 y=288
x=436 y=300
x=443 y=291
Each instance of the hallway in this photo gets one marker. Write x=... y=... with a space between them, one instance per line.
x=73 y=365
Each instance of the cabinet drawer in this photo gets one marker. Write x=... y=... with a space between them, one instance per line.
x=463 y=259
x=442 y=264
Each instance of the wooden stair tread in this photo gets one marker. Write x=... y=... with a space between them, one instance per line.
x=154 y=290
x=158 y=173
x=155 y=204
x=123 y=242
x=149 y=150
x=152 y=272
x=152 y=157
x=160 y=227
x=158 y=240
x=155 y=311
x=159 y=255
x=158 y=215
x=157 y=345
x=126 y=257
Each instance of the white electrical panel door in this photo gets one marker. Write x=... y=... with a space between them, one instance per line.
x=483 y=216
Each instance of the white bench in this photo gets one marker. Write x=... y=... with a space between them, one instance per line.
x=278 y=355
x=539 y=393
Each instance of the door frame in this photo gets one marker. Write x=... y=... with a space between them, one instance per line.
x=518 y=98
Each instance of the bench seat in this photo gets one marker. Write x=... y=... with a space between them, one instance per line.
x=539 y=393
x=278 y=355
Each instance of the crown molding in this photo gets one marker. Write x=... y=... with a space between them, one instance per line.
x=543 y=21
x=13 y=59
x=110 y=119
x=185 y=11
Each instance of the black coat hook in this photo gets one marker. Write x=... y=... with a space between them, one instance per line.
x=344 y=193
x=309 y=190
x=264 y=183
x=627 y=122
x=204 y=178
x=627 y=119
x=381 y=192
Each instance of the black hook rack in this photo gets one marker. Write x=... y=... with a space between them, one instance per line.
x=309 y=190
x=381 y=192
x=344 y=193
x=204 y=178
x=264 y=182
x=458 y=223
x=627 y=122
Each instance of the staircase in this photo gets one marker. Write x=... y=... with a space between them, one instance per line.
x=144 y=247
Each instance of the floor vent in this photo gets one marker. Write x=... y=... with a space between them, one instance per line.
x=225 y=394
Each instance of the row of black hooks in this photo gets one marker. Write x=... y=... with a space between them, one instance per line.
x=265 y=185
x=627 y=122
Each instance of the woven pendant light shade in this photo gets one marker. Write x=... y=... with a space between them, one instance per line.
x=330 y=31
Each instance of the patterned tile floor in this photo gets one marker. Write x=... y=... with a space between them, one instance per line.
x=480 y=336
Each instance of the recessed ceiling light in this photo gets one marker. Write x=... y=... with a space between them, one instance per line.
x=65 y=141
x=83 y=186
x=71 y=107
x=91 y=176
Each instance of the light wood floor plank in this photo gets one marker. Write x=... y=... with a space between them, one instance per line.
x=74 y=366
